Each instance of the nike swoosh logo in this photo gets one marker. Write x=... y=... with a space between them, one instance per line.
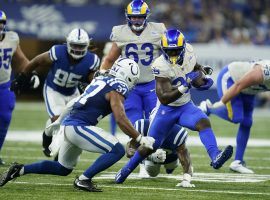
x=78 y=184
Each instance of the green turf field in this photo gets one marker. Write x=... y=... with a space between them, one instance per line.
x=210 y=184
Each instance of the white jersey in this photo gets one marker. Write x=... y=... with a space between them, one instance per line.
x=238 y=69
x=162 y=68
x=7 y=48
x=143 y=48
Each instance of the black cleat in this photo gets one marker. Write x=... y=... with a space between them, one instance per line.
x=222 y=157
x=12 y=173
x=86 y=185
x=2 y=162
x=46 y=141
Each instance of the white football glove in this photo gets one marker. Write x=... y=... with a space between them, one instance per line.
x=34 y=81
x=217 y=104
x=158 y=157
x=186 y=182
x=145 y=141
x=57 y=140
x=53 y=128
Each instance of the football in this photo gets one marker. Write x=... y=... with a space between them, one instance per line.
x=198 y=81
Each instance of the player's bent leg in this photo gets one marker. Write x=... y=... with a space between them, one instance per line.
x=152 y=169
x=170 y=167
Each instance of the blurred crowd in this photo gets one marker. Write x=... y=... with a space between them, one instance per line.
x=219 y=21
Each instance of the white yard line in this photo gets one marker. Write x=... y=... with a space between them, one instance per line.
x=154 y=188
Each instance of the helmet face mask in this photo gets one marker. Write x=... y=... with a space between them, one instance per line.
x=127 y=70
x=77 y=43
x=173 y=46
x=137 y=13
x=3 y=21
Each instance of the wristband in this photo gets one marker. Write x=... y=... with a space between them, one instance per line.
x=187 y=177
x=138 y=139
x=182 y=89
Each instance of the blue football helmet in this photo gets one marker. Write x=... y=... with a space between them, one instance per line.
x=137 y=13
x=173 y=46
x=3 y=21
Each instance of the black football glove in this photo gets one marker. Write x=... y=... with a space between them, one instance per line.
x=20 y=83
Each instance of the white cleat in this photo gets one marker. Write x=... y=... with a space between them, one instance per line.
x=143 y=173
x=237 y=166
x=205 y=105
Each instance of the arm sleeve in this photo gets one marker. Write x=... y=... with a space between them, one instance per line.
x=95 y=63
x=53 y=53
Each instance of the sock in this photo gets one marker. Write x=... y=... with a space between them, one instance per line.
x=83 y=177
x=241 y=141
x=134 y=161
x=47 y=167
x=105 y=161
x=4 y=124
x=209 y=141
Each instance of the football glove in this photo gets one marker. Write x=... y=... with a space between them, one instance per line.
x=23 y=81
x=208 y=69
x=53 y=128
x=192 y=76
x=208 y=83
x=158 y=157
x=186 y=182
x=145 y=141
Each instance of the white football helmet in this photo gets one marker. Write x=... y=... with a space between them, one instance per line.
x=126 y=70
x=77 y=43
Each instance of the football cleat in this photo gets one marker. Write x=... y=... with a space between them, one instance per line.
x=2 y=162
x=46 y=141
x=143 y=173
x=222 y=157
x=121 y=175
x=205 y=106
x=86 y=185
x=239 y=166
x=12 y=173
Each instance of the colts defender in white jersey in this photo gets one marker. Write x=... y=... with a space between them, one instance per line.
x=138 y=40
x=12 y=59
x=237 y=85
x=103 y=96
x=175 y=72
x=68 y=65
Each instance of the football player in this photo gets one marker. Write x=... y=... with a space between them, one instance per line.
x=69 y=64
x=104 y=95
x=175 y=72
x=137 y=40
x=11 y=59
x=171 y=151
x=237 y=85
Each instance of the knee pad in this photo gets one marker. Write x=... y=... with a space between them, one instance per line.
x=152 y=169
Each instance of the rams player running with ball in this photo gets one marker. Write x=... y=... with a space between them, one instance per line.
x=175 y=71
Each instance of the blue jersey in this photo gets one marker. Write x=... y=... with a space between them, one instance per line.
x=64 y=76
x=92 y=105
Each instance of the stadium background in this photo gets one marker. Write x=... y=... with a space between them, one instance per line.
x=221 y=31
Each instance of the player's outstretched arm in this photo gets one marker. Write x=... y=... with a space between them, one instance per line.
x=116 y=102
x=41 y=60
x=112 y=56
x=253 y=77
x=19 y=60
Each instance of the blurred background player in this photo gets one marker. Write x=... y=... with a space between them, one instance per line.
x=137 y=40
x=171 y=151
x=237 y=85
x=175 y=72
x=103 y=96
x=12 y=59
x=68 y=65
